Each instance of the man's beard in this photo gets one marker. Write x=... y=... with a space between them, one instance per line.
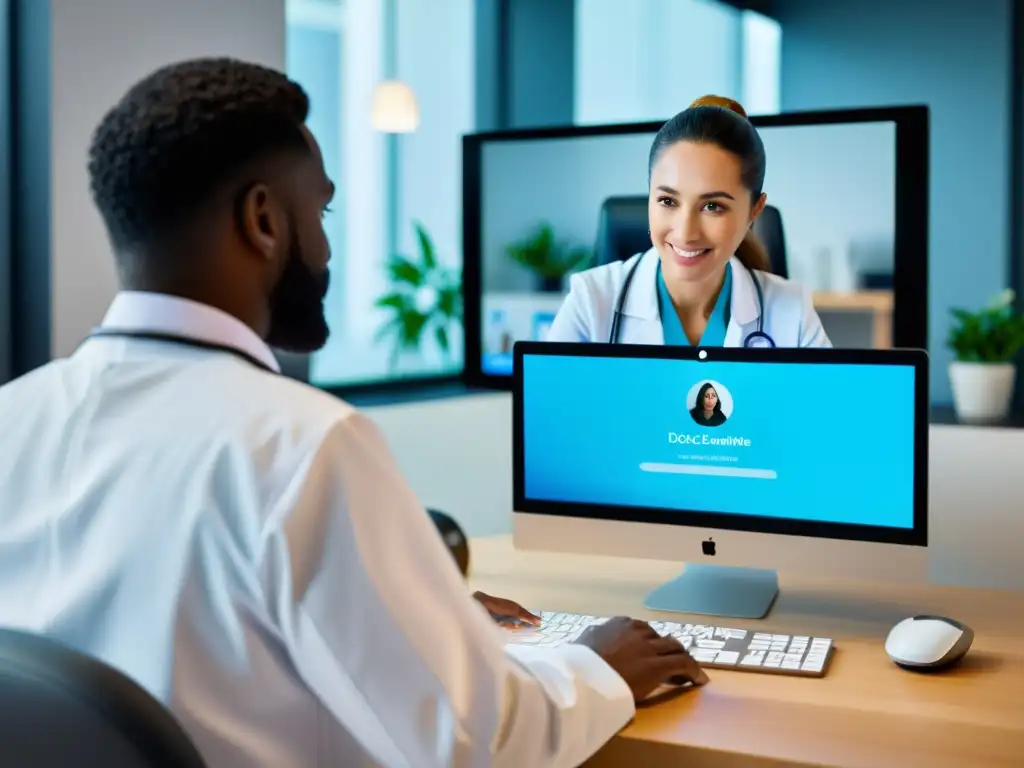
x=297 y=322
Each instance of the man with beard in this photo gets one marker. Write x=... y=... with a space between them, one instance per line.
x=240 y=543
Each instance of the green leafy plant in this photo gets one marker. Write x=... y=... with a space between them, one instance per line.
x=424 y=297
x=550 y=259
x=993 y=334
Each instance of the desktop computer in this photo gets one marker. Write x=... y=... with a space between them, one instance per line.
x=738 y=462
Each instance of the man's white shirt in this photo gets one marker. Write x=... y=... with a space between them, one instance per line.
x=244 y=546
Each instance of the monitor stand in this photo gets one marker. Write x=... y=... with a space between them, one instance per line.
x=717 y=590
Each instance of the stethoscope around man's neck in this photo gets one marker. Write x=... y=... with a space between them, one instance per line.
x=185 y=341
x=756 y=339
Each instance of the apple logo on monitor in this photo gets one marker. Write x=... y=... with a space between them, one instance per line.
x=708 y=547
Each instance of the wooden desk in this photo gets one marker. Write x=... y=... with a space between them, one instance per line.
x=878 y=304
x=865 y=713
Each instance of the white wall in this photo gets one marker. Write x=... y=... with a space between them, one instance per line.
x=762 y=64
x=835 y=186
x=98 y=49
x=648 y=59
x=457 y=455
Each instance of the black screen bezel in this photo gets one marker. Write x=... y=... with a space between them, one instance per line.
x=910 y=248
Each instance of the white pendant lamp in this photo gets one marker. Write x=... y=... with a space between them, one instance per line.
x=394 y=108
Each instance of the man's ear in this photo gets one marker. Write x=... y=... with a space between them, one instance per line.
x=261 y=221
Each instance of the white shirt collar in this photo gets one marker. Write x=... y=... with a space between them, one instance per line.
x=160 y=313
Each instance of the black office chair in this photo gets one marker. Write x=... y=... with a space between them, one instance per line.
x=62 y=708
x=621 y=229
x=770 y=232
x=622 y=232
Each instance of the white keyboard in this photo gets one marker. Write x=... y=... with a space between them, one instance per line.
x=710 y=646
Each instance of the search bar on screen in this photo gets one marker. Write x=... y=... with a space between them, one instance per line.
x=705 y=469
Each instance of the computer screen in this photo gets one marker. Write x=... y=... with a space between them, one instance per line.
x=803 y=440
x=845 y=217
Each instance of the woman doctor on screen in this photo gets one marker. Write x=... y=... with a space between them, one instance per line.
x=707 y=411
x=707 y=280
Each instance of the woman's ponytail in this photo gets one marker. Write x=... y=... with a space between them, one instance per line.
x=752 y=253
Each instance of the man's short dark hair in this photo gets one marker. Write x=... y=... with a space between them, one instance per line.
x=183 y=133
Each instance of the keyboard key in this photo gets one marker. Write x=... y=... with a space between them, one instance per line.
x=701 y=643
x=731 y=634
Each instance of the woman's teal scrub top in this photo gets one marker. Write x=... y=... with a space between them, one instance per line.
x=672 y=326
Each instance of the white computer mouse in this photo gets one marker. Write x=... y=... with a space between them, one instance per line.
x=928 y=642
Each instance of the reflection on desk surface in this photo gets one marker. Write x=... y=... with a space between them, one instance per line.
x=867 y=712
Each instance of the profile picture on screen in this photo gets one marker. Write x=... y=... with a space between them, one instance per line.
x=710 y=404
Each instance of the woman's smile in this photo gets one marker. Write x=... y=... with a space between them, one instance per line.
x=689 y=258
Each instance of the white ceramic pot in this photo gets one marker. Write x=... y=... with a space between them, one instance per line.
x=982 y=392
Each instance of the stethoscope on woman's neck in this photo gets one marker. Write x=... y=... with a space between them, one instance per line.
x=756 y=339
x=185 y=341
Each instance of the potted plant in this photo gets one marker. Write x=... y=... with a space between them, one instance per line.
x=983 y=375
x=548 y=258
x=424 y=297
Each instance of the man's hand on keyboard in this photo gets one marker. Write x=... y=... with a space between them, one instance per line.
x=508 y=613
x=643 y=658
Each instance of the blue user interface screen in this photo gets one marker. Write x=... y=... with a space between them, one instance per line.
x=827 y=443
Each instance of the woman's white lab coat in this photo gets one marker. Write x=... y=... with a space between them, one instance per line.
x=586 y=315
